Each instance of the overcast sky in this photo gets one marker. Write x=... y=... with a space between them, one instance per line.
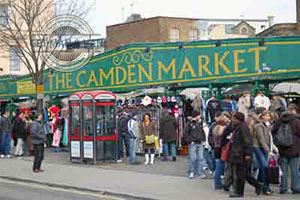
x=109 y=12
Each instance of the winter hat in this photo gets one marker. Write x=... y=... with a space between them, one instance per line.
x=240 y=116
x=195 y=113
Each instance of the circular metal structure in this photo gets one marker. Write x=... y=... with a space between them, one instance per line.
x=65 y=38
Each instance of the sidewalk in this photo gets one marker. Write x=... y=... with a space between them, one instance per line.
x=118 y=181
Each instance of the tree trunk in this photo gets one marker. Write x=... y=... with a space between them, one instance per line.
x=39 y=100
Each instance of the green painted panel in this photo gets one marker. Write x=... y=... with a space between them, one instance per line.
x=183 y=64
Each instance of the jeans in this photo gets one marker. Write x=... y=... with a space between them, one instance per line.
x=262 y=161
x=132 y=150
x=196 y=159
x=293 y=163
x=5 y=143
x=38 y=156
x=25 y=148
x=220 y=166
x=209 y=157
x=166 y=149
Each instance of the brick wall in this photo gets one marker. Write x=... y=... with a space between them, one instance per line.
x=139 y=31
x=148 y=30
x=298 y=11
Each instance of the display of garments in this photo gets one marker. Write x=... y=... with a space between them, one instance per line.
x=66 y=133
x=213 y=106
x=262 y=101
x=56 y=138
x=244 y=104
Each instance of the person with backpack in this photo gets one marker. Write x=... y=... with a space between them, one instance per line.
x=286 y=135
x=195 y=137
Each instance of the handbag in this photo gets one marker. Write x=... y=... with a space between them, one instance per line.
x=150 y=139
x=157 y=145
x=271 y=173
x=225 y=152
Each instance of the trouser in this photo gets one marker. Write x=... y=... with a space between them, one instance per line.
x=293 y=163
x=38 y=156
x=132 y=150
x=166 y=149
x=239 y=172
x=5 y=143
x=123 y=139
x=262 y=161
x=196 y=159
x=19 y=147
x=228 y=180
x=25 y=147
x=209 y=157
x=218 y=172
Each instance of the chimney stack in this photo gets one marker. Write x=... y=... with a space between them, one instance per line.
x=298 y=11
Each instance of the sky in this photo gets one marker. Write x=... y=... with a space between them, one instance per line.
x=109 y=12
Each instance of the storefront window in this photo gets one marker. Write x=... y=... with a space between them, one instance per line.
x=105 y=124
x=75 y=122
x=88 y=120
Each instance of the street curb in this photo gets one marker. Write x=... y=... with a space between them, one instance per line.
x=67 y=187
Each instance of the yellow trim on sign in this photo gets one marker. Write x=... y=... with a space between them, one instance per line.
x=176 y=81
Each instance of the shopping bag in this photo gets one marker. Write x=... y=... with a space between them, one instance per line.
x=271 y=175
x=150 y=139
x=225 y=152
x=156 y=143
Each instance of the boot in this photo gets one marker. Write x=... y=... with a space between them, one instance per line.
x=146 y=159
x=152 y=159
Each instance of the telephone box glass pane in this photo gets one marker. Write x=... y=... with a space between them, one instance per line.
x=105 y=124
x=75 y=121
x=88 y=120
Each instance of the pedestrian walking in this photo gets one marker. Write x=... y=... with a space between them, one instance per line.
x=5 y=129
x=39 y=139
x=195 y=137
x=148 y=134
x=262 y=146
x=240 y=153
x=286 y=134
x=168 y=134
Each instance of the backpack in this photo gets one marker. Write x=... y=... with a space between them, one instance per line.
x=284 y=136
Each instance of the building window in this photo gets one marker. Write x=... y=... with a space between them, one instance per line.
x=3 y=14
x=244 y=31
x=193 y=35
x=174 y=35
x=14 y=61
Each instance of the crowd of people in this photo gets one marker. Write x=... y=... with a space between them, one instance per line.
x=244 y=144
x=22 y=136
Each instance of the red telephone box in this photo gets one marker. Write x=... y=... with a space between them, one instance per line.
x=93 y=127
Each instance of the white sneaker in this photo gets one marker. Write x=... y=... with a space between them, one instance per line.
x=8 y=156
x=202 y=176
x=2 y=156
x=191 y=176
x=119 y=161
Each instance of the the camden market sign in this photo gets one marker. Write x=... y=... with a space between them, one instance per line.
x=187 y=65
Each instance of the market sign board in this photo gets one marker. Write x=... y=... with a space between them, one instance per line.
x=189 y=64
x=26 y=87
x=196 y=63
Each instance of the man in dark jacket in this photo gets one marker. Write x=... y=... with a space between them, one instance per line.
x=19 y=128
x=123 y=135
x=289 y=156
x=39 y=139
x=5 y=129
x=168 y=134
x=240 y=153
x=195 y=137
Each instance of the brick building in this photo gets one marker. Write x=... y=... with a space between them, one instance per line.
x=173 y=29
x=284 y=29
